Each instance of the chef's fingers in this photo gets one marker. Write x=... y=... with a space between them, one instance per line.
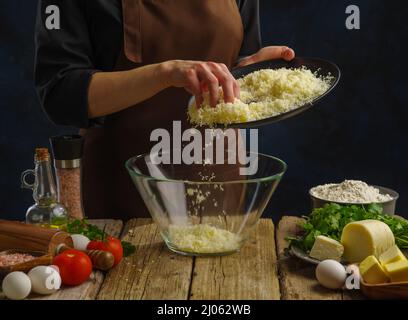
x=194 y=86
x=225 y=79
x=211 y=81
x=237 y=90
x=235 y=85
x=289 y=54
x=269 y=53
x=247 y=61
x=199 y=100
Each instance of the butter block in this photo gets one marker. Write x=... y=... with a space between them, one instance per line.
x=365 y=238
x=372 y=271
x=393 y=254
x=326 y=248
x=397 y=271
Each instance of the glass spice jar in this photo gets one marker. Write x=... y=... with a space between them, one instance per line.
x=67 y=152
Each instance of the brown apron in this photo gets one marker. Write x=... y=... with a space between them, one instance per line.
x=154 y=31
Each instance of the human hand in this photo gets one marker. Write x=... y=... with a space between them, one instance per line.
x=199 y=77
x=269 y=53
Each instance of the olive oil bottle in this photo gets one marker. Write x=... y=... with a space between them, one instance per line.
x=46 y=211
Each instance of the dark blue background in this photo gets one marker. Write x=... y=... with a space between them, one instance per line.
x=360 y=132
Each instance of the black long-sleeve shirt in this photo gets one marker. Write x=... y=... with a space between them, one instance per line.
x=90 y=40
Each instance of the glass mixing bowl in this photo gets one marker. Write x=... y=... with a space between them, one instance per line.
x=205 y=209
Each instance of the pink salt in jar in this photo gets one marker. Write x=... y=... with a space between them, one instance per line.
x=67 y=152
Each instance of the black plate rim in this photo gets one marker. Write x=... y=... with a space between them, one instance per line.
x=300 y=254
x=240 y=72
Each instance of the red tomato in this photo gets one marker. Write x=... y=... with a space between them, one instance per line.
x=111 y=245
x=75 y=267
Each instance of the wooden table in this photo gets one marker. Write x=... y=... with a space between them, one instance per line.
x=260 y=271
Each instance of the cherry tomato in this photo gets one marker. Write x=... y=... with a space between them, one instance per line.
x=111 y=245
x=75 y=267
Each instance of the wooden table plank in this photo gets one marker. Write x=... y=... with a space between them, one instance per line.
x=89 y=289
x=249 y=274
x=152 y=272
x=298 y=277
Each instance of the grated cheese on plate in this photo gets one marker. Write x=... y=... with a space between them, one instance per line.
x=203 y=238
x=264 y=93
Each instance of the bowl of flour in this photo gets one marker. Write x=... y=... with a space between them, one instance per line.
x=351 y=192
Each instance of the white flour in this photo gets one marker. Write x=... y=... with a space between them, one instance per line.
x=350 y=191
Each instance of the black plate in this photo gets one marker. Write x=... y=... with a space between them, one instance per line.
x=300 y=254
x=322 y=67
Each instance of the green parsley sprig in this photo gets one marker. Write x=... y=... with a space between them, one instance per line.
x=95 y=233
x=332 y=218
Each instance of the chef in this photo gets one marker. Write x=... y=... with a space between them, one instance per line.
x=118 y=69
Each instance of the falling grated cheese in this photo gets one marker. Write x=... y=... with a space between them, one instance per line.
x=264 y=93
x=203 y=238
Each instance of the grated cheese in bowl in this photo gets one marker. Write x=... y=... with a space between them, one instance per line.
x=203 y=239
x=264 y=93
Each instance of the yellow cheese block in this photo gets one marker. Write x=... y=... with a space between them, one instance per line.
x=397 y=271
x=372 y=271
x=326 y=248
x=393 y=254
x=365 y=238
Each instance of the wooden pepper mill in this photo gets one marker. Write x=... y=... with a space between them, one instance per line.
x=102 y=260
x=21 y=236
x=18 y=235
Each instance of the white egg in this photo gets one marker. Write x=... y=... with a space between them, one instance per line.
x=45 y=280
x=80 y=241
x=16 y=285
x=331 y=274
